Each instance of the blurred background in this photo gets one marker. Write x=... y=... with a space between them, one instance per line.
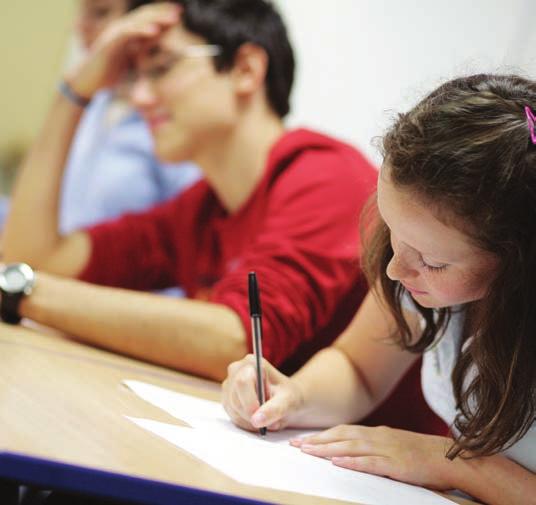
x=359 y=61
x=35 y=38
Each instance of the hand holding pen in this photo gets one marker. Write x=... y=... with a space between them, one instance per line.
x=249 y=379
x=255 y=314
x=240 y=400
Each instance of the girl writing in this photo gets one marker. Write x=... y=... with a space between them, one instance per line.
x=451 y=259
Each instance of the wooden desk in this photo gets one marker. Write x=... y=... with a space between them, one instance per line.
x=62 y=426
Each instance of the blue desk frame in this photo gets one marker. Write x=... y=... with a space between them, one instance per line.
x=76 y=479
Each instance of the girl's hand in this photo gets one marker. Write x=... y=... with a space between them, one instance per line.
x=109 y=57
x=240 y=401
x=402 y=455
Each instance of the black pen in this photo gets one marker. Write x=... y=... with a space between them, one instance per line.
x=256 y=335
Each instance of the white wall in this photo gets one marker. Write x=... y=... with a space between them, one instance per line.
x=361 y=60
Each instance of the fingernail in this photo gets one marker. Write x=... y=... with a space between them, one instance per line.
x=295 y=441
x=340 y=460
x=258 y=419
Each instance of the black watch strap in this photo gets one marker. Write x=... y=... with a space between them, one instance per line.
x=9 y=307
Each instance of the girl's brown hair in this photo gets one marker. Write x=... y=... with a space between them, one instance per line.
x=466 y=150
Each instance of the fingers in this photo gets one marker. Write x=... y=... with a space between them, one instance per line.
x=272 y=413
x=152 y=18
x=240 y=392
x=336 y=434
x=143 y=23
x=161 y=13
x=376 y=465
x=160 y=8
x=360 y=448
x=356 y=447
x=343 y=440
x=245 y=391
x=240 y=398
x=279 y=425
x=237 y=419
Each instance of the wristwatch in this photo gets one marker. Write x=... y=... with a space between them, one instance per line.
x=16 y=281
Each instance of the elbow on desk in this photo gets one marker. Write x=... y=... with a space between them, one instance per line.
x=211 y=352
x=229 y=343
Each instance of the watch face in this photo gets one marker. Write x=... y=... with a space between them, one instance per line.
x=16 y=278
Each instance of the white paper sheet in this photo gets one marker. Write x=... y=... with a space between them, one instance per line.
x=199 y=413
x=267 y=461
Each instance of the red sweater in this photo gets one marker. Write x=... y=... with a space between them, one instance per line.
x=298 y=230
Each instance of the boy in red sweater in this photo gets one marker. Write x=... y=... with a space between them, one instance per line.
x=212 y=78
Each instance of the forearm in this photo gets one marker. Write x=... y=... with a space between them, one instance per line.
x=328 y=371
x=494 y=480
x=31 y=232
x=362 y=366
x=193 y=336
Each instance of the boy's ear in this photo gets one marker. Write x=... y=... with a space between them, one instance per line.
x=250 y=68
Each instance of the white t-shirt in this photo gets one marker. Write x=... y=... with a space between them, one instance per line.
x=437 y=366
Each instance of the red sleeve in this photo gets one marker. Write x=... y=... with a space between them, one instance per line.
x=307 y=254
x=135 y=251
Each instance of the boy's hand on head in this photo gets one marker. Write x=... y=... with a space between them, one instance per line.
x=239 y=396
x=109 y=58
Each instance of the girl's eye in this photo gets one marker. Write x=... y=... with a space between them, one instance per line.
x=431 y=268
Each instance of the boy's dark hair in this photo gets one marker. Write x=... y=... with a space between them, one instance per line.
x=231 y=23
x=134 y=4
x=465 y=150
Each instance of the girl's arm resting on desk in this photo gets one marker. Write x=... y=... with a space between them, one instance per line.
x=340 y=384
x=420 y=459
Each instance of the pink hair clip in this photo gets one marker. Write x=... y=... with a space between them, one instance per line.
x=531 y=119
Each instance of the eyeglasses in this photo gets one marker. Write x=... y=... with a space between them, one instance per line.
x=156 y=71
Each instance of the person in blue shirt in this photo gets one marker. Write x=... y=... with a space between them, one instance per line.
x=111 y=168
